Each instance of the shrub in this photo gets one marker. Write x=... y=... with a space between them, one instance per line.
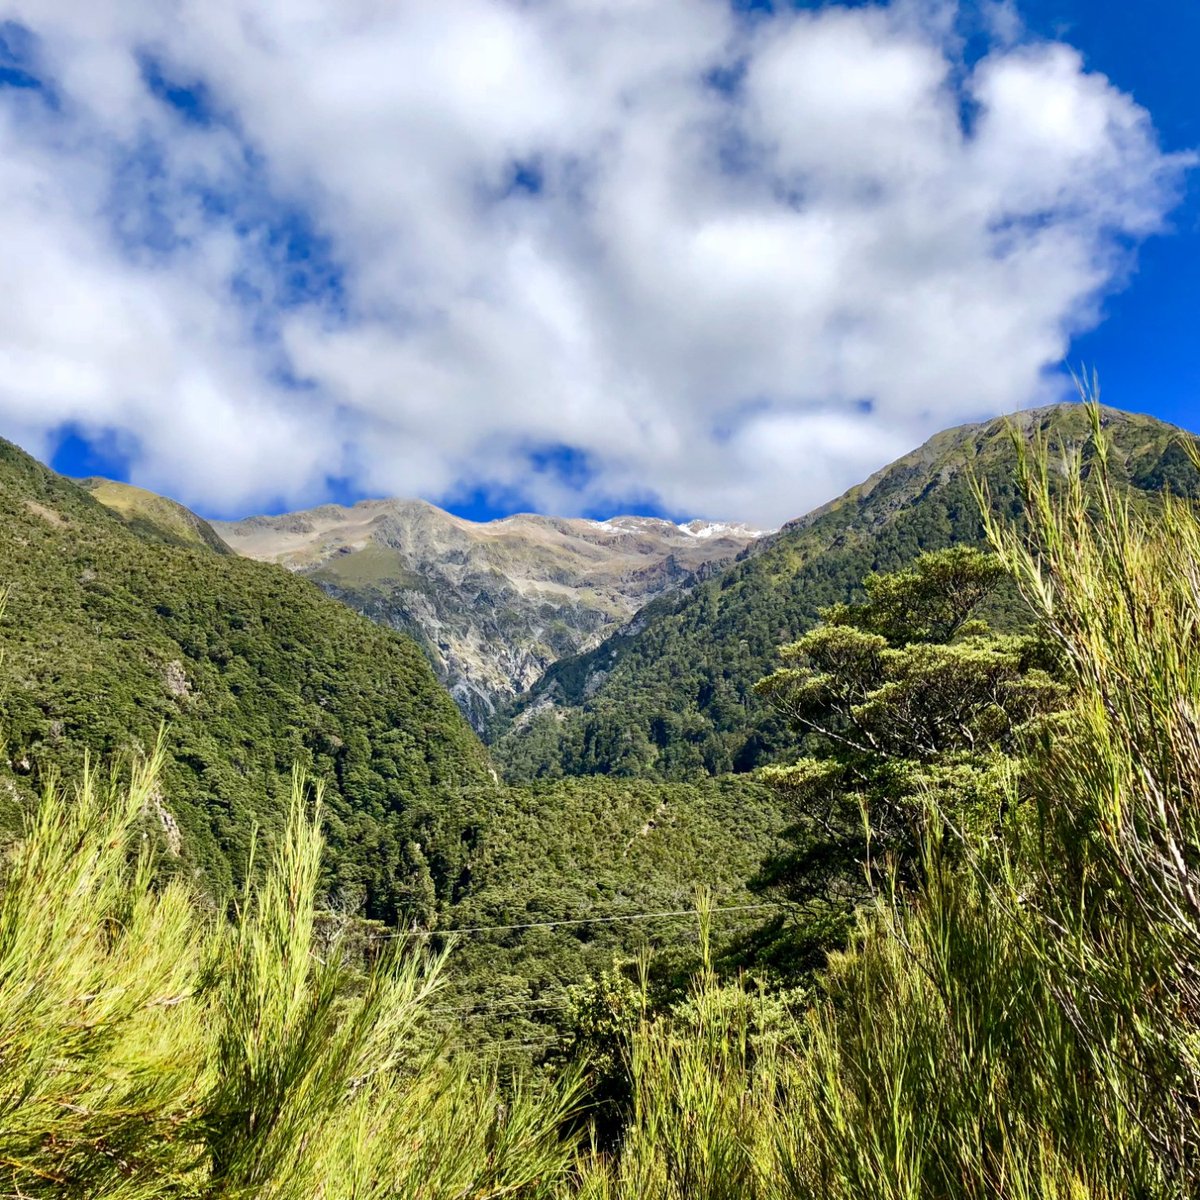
x=151 y=1048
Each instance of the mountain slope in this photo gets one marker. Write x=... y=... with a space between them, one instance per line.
x=155 y=516
x=494 y=603
x=671 y=695
x=604 y=848
x=109 y=632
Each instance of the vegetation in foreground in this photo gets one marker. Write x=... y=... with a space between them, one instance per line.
x=1021 y=1020
x=1014 y=1015
x=151 y=1048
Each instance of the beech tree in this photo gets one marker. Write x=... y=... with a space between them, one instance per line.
x=906 y=694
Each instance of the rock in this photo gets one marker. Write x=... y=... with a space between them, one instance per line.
x=493 y=604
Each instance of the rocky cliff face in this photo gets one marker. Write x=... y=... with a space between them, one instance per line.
x=495 y=603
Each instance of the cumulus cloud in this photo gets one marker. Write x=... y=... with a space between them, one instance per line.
x=579 y=254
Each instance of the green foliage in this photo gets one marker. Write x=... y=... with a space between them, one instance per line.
x=929 y=601
x=109 y=636
x=1020 y=1022
x=934 y=687
x=898 y=698
x=1110 y=893
x=594 y=848
x=93 y=967
x=601 y=1018
x=702 y=1101
x=151 y=1049
x=673 y=697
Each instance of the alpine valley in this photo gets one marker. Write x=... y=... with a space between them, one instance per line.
x=725 y=827
x=631 y=646
x=492 y=604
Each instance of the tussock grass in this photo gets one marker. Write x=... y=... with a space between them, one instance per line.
x=1023 y=1022
x=151 y=1049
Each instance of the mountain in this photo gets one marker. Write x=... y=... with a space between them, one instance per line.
x=492 y=603
x=112 y=630
x=155 y=516
x=671 y=695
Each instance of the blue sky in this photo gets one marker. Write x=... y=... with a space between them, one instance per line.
x=1146 y=347
x=684 y=257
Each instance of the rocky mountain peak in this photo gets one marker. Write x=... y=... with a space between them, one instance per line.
x=493 y=603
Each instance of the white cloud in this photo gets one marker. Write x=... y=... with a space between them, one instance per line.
x=743 y=232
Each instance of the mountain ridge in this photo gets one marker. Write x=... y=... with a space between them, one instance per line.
x=671 y=696
x=155 y=516
x=492 y=603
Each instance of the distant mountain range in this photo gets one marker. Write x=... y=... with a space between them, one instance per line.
x=493 y=604
x=631 y=646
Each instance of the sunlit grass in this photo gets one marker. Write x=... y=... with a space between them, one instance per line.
x=1022 y=1021
x=149 y=1047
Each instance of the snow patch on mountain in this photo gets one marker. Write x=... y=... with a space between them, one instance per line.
x=697 y=528
x=708 y=529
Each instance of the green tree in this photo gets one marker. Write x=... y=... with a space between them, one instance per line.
x=601 y=1018
x=905 y=695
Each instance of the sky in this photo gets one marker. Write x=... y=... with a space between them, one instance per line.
x=694 y=258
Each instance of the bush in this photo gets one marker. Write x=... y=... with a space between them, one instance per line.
x=151 y=1048
x=1023 y=1019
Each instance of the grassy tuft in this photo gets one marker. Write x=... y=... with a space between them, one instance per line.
x=151 y=1048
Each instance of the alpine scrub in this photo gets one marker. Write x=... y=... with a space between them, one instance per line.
x=1006 y=1008
x=1015 y=1012
x=152 y=1047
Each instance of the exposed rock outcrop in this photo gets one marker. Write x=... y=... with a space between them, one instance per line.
x=493 y=603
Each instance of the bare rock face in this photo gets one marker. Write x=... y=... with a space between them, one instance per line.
x=492 y=603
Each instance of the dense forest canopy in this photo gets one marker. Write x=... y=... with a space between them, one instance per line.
x=1012 y=1012
x=110 y=635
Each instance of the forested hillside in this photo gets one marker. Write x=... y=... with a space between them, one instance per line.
x=583 y=868
x=110 y=632
x=672 y=696
x=114 y=629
